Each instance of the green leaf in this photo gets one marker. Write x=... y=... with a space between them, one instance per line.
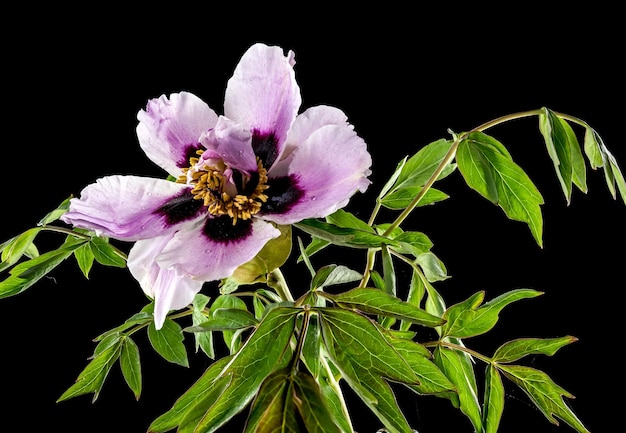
x=104 y=253
x=401 y=198
x=333 y=396
x=493 y=405
x=392 y=179
x=232 y=338
x=375 y=301
x=91 y=379
x=131 y=366
x=27 y=273
x=311 y=405
x=341 y=236
x=544 y=393
x=600 y=156
x=432 y=381
x=225 y=319
x=266 y=350
x=334 y=274
x=84 y=257
x=311 y=347
x=140 y=318
x=203 y=340
x=197 y=392
x=369 y=387
x=422 y=165
x=358 y=337
x=345 y=219
x=56 y=213
x=168 y=342
x=458 y=368
x=432 y=266
x=559 y=149
x=517 y=349
x=579 y=169
x=488 y=168
x=411 y=242
x=273 y=409
x=13 y=250
x=465 y=319
x=415 y=296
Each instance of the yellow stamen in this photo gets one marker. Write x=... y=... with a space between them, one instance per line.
x=208 y=185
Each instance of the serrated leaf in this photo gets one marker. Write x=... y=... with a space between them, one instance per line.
x=517 y=349
x=466 y=319
x=491 y=172
x=131 y=366
x=104 y=253
x=91 y=379
x=342 y=236
x=493 y=405
x=168 y=342
x=458 y=368
x=265 y=351
x=375 y=301
x=544 y=393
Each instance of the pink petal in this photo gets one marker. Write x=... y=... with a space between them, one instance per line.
x=193 y=253
x=231 y=142
x=124 y=207
x=326 y=169
x=169 y=129
x=169 y=290
x=263 y=94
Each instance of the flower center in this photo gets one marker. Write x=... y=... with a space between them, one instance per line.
x=238 y=196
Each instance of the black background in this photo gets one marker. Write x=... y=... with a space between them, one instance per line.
x=74 y=80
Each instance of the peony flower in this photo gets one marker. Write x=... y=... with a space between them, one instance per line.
x=239 y=175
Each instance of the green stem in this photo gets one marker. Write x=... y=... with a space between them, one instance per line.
x=277 y=282
x=71 y=232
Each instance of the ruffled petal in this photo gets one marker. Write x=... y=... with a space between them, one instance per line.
x=131 y=207
x=263 y=95
x=169 y=129
x=321 y=174
x=231 y=142
x=169 y=290
x=213 y=250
